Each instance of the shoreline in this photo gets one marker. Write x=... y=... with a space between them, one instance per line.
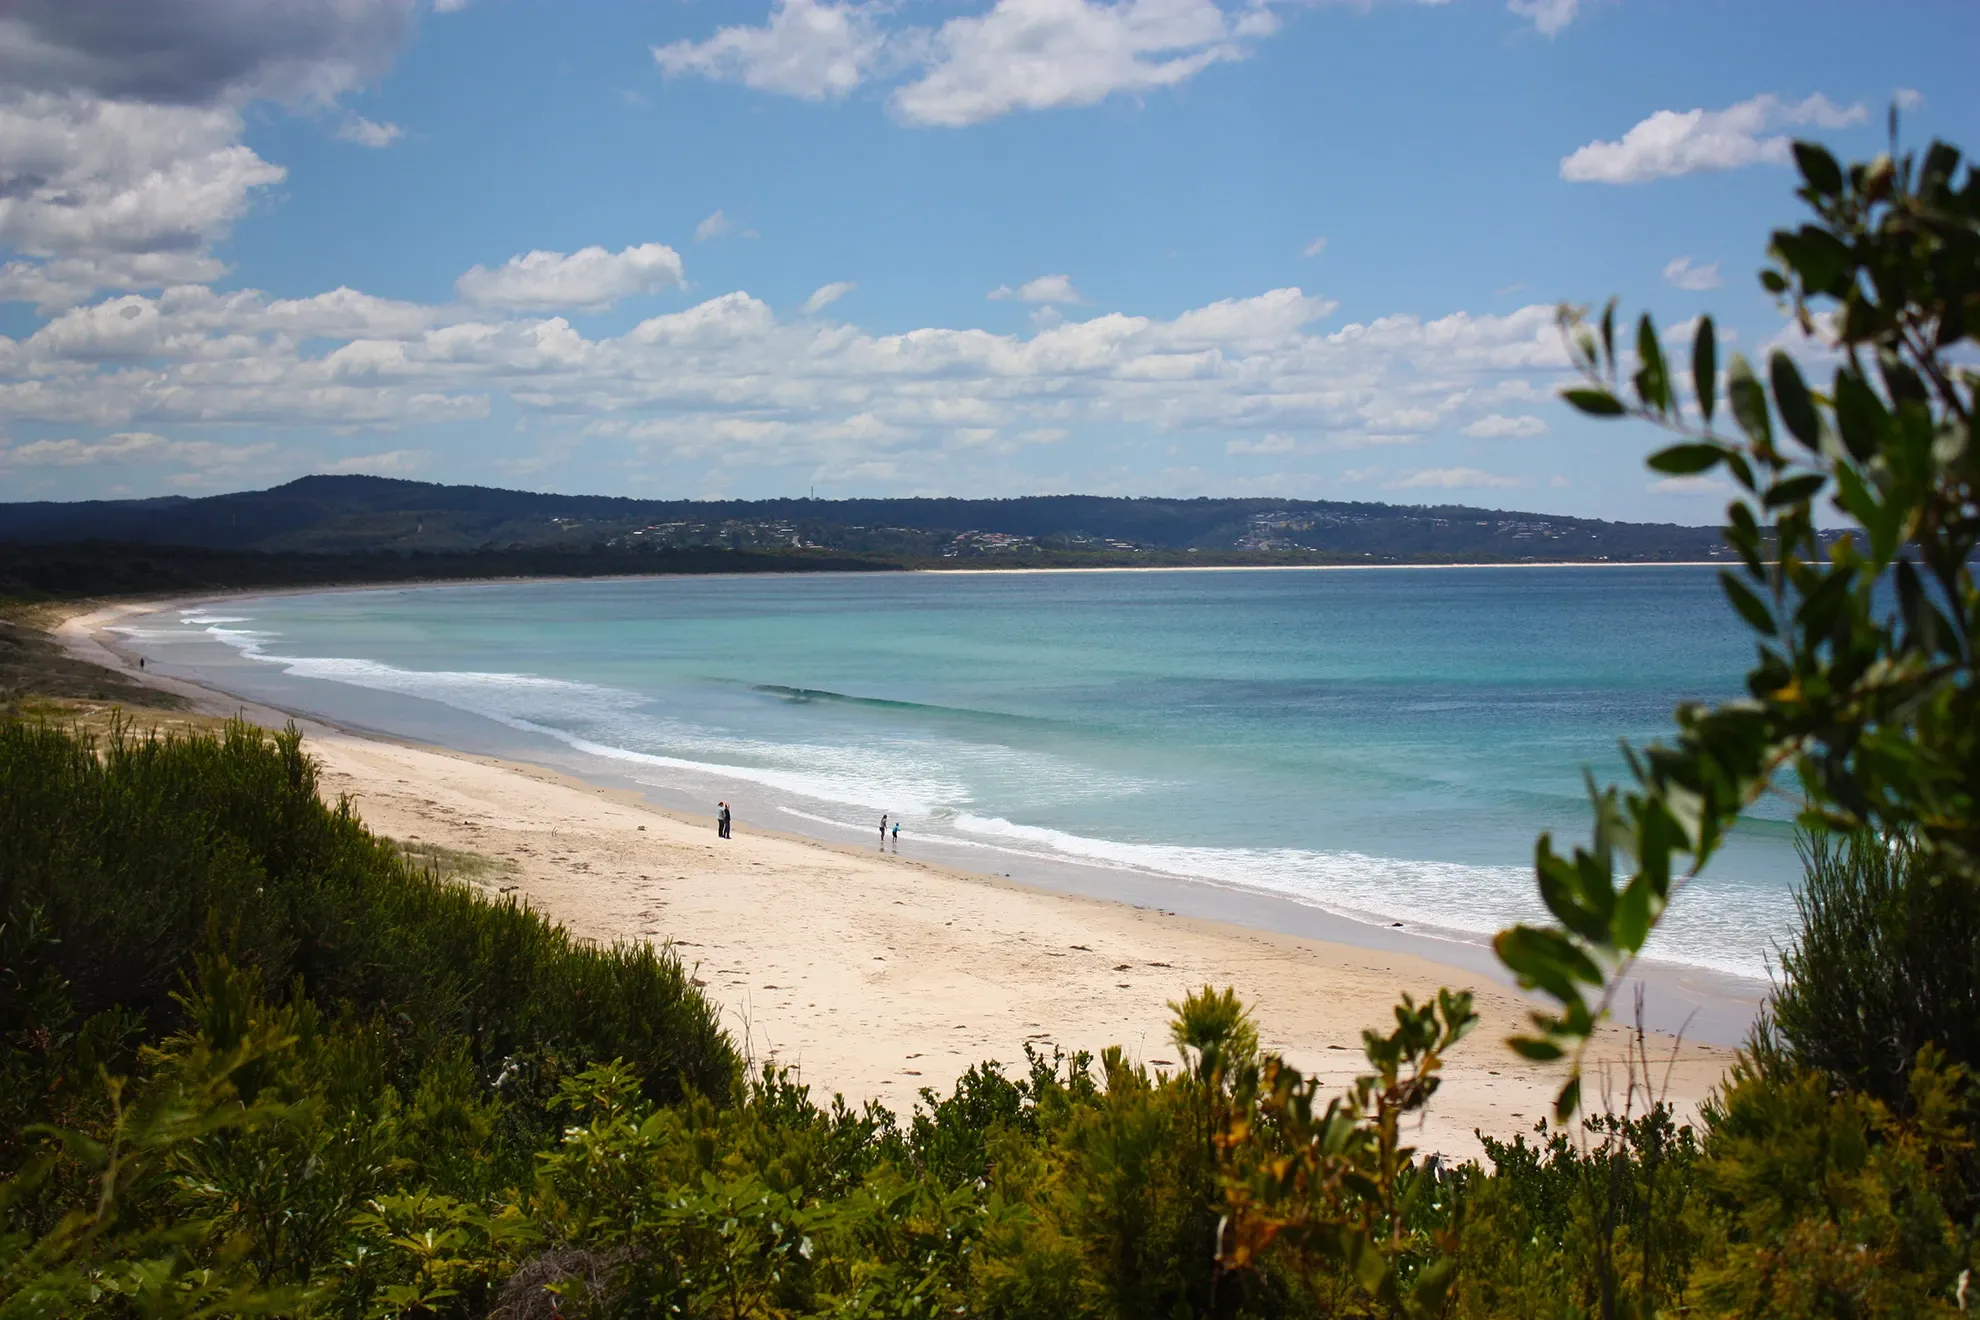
x=62 y=611
x=848 y=964
x=1717 y=1004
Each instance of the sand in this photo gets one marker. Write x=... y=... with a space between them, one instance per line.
x=874 y=975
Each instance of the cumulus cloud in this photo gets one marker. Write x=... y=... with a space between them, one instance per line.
x=1044 y=289
x=208 y=53
x=589 y=279
x=827 y=294
x=369 y=133
x=53 y=285
x=1671 y=143
x=729 y=381
x=1041 y=54
x=1454 y=478
x=1017 y=55
x=121 y=160
x=1680 y=273
x=1498 y=426
x=85 y=177
x=1549 y=16
x=818 y=51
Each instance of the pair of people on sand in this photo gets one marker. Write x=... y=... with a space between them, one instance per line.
x=883 y=833
x=721 y=820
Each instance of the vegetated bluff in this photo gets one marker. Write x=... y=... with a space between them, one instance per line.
x=338 y=514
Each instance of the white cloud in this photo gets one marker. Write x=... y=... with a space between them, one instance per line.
x=1671 y=143
x=1453 y=478
x=729 y=380
x=1314 y=249
x=590 y=278
x=87 y=177
x=391 y=463
x=1041 y=54
x=1688 y=486
x=53 y=285
x=1908 y=98
x=714 y=226
x=1498 y=426
x=1044 y=289
x=369 y=133
x=449 y=6
x=1680 y=273
x=1017 y=55
x=189 y=321
x=130 y=447
x=826 y=294
x=1270 y=443
x=1549 y=16
x=814 y=50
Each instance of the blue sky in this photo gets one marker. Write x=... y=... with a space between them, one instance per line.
x=971 y=247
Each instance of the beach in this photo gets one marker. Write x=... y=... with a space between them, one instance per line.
x=874 y=975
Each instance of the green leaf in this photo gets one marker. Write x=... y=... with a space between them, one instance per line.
x=1860 y=415
x=1568 y=1100
x=1819 y=168
x=1749 y=402
x=1536 y=1049
x=1705 y=366
x=1686 y=460
x=1546 y=959
x=1653 y=381
x=1794 y=490
x=1634 y=914
x=1751 y=607
x=1609 y=333
x=1791 y=397
x=1594 y=402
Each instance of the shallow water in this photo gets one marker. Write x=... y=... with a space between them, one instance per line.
x=1381 y=744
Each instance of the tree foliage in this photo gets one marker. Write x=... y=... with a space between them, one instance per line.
x=1864 y=682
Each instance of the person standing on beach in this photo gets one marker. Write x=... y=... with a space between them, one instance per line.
x=883 y=831
x=897 y=834
x=721 y=820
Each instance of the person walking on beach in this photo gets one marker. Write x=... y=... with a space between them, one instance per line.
x=721 y=820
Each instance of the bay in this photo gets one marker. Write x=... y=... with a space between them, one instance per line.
x=1382 y=744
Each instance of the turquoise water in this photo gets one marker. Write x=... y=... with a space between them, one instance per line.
x=1383 y=744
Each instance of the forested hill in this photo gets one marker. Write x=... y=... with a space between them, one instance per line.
x=326 y=514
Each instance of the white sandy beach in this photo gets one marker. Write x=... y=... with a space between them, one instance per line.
x=876 y=975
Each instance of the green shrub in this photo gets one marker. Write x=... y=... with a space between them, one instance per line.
x=121 y=863
x=1887 y=961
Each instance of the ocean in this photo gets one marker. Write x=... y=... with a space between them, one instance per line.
x=1381 y=745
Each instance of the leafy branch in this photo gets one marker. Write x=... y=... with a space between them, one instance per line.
x=1865 y=633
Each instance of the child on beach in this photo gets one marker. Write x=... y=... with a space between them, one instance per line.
x=897 y=834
